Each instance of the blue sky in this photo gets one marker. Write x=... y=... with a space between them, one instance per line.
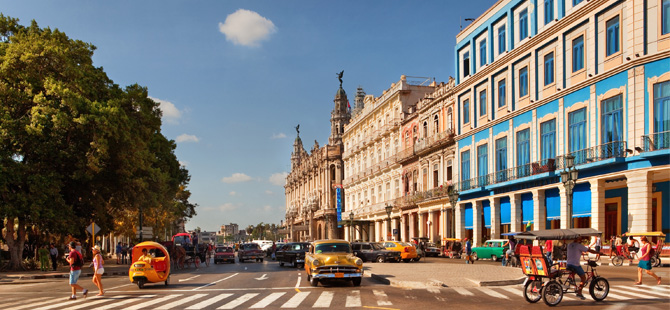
x=235 y=77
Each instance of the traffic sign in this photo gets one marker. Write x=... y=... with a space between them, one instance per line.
x=147 y=232
x=91 y=227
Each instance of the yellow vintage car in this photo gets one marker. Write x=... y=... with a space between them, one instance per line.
x=407 y=251
x=332 y=259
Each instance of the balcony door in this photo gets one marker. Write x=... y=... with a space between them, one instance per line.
x=611 y=128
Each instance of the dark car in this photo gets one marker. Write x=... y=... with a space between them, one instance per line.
x=292 y=253
x=373 y=251
x=224 y=254
x=251 y=251
x=431 y=249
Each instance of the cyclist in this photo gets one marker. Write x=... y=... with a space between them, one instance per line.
x=575 y=250
x=510 y=251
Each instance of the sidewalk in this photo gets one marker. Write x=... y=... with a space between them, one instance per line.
x=111 y=269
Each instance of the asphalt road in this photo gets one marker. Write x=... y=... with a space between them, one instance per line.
x=268 y=286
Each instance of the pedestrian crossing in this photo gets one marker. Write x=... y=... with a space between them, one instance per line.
x=355 y=298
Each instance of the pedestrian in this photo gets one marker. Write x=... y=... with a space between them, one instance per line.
x=645 y=262
x=575 y=250
x=549 y=250
x=98 y=269
x=43 y=254
x=124 y=253
x=78 y=248
x=468 y=252
x=76 y=261
x=274 y=249
x=511 y=242
x=53 y=252
x=595 y=244
x=618 y=243
x=119 y=249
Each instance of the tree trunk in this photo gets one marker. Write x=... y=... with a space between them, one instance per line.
x=15 y=245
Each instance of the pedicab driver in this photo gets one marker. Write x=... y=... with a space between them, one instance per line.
x=145 y=257
x=575 y=250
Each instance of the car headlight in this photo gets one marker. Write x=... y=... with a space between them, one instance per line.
x=138 y=265
x=359 y=262
x=316 y=263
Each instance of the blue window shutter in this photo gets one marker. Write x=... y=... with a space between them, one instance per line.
x=505 y=211
x=552 y=200
x=468 y=216
x=527 y=207
x=581 y=200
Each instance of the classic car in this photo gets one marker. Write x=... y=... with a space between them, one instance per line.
x=224 y=254
x=491 y=249
x=330 y=260
x=250 y=251
x=407 y=251
x=292 y=253
x=374 y=252
x=431 y=249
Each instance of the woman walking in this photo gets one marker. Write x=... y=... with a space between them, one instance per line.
x=645 y=262
x=98 y=268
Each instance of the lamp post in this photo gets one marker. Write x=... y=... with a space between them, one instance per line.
x=453 y=199
x=351 y=226
x=388 y=208
x=569 y=178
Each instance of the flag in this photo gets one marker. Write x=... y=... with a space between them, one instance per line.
x=528 y=225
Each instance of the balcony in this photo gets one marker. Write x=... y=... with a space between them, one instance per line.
x=595 y=154
x=435 y=141
x=656 y=141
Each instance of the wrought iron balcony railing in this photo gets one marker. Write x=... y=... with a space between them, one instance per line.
x=656 y=141
x=594 y=154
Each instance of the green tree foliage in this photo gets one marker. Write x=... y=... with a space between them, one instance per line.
x=74 y=146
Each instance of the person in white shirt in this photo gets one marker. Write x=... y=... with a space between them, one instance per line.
x=575 y=250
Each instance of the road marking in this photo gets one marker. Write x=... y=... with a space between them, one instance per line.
x=296 y=300
x=99 y=300
x=215 y=282
x=660 y=288
x=433 y=290
x=324 y=300
x=263 y=277
x=617 y=296
x=189 y=279
x=109 y=289
x=123 y=302
x=514 y=291
x=267 y=300
x=353 y=299
x=30 y=306
x=22 y=301
x=382 y=298
x=240 y=300
x=643 y=290
x=181 y=302
x=153 y=302
x=298 y=283
x=209 y=301
x=492 y=293
x=463 y=291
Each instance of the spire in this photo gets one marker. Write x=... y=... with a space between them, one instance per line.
x=359 y=103
x=298 y=149
x=340 y=116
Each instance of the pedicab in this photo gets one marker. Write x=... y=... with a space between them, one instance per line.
x=659 y=246
x=550 y=281
x=452 y=247
x=153 y=270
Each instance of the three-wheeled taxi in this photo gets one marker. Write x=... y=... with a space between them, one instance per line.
x=452 y=247
x=154 y=268
x=657 y=241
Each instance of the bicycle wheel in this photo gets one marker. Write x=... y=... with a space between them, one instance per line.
x=654 y=261
x=617 y=261
x=599 y=288
x=532 y=291
x=658 y=262
x=552 y=293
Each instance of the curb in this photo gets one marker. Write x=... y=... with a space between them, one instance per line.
x=57 y=276
x=499 y=282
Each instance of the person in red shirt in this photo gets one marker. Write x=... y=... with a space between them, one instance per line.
x=549 y=250
x=76 y=260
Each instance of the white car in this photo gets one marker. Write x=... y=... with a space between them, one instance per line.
x=264 y=244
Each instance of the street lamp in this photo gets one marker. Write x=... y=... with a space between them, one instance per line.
x=389 y=208
x=569 y=178
x=351 y=226
x=453 y=199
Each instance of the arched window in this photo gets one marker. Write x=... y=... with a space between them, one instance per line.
x=436 y=124
x=425 y=129
x=406 y=139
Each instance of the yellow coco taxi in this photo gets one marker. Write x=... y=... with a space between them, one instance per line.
x=152 y=266
x=407 y=251
x=332 y=259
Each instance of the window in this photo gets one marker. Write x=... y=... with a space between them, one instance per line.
x=482 y=52
x=612 y=126
x=665 y=17
x=501 y=39
x=575 y=2
x=466 y=111
x=523 y=153
x=578 y=54
x=482 y=164
x=523 y=82
x=397 y=188
x=548 y=11
x=549 y=69
x=482 y=103
x=436 y=124
x=388 y=191
x=501 y=93
x=612 y=27
x=372 y=195
x=577 y=135
x=466 y=64
x=501 y=159
x=449 y=117
x=662 y=115
x=548 y=140
x=425 y=129
x=465 y=167
x=523 y=24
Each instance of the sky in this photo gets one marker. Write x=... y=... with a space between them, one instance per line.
x=234 y=78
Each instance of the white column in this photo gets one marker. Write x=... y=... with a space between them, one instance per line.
x=477 y=224
x=639 y=201
x=443 y=222
x=432 y=228
x=422 y=224
x=411 y=218
x=394 y=225
x=378 y=233
x=539 y=210
x=495 y=217
x=403 y=229
x=515 y=203
x=460 y=223
x=598 y=205
x=565 y=221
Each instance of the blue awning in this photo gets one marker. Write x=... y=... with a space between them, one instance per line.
x=468 y=216
x=486 y=209
x=581 y=200
x=505 y=211
x=553 y=203
x=527 y=207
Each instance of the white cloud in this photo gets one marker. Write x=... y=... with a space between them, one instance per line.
x=280 y=135
x=233 y=193
x=171 y=114
x=187 y=138
x=227 y=207
x=236 y=178
x=278 y=179
x=268 y=192
x=267 y=208
x=247 y=28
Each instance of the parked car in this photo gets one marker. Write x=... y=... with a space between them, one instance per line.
x=330 y=260
x=491 y=249
x=431 y=249
x=292 y=253
x=373 y=251
x=407 y=251
x=224 y=254
x=250 y=251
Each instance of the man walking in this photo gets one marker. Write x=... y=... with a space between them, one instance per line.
x=53 y=252
x=468 y=252
x=119 y=249
x=76 y=261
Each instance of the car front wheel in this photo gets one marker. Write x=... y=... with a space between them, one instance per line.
x=380 y=259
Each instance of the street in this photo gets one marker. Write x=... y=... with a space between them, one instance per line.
x=268 y=286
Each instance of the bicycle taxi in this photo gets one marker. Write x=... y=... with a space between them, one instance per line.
x=657 y=240
x=550 y=282
x=155 y=270
x=452 y=247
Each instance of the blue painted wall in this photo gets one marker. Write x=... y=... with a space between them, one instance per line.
x=505 y=211
x=502 y=127
x=468 y=215
x=652 y=69
x=523 y=118
x=551 y=107
x=486 y=210
x=664 y=188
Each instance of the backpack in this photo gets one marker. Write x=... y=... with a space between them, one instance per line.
x=78 y=260
x=651 y=251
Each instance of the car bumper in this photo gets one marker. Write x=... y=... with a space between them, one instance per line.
x=299 y=260
x=336 y=276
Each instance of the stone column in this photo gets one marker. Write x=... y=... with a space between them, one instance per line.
x=460 y=222
x=443 y=222
x=411 y=218
x=422 y=224
x=394 y=225
x=598 y=205
x=639 y=201
x=565 y=221
x=477 y=224
x=403 y=230
x=378 y=233
x=432 y=228
x=539 y=210
x=515 y=203
x=495 y=217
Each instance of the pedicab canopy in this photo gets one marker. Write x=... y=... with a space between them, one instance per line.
x=647 y=234
x=558 y=234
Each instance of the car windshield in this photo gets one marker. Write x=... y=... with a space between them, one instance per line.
x=332 y=248
x=250 y=246
x=298 y=246
x=406 y=244
x=377 y=246
x=224 y=250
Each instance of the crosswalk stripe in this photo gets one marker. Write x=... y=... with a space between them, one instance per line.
x=433 y=290
x=353 y=299
x=267 y=300
x=181 y=302
x=492 y=293
x=153 y=302
x=463 y=291
x=296 y=300
x=382 y=298
x=514 y=291
x=658 y=288
x=209 y=301
x=240 y=300
x=617 y=296
x=644 y=291
x=324 y=300
x=39 y=303
x=126 y=301
x=100 y=300
x=24 y=301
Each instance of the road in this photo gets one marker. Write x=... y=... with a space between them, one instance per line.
x=268 y=286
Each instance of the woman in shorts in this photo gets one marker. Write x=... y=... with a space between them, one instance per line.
x=98 y=268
